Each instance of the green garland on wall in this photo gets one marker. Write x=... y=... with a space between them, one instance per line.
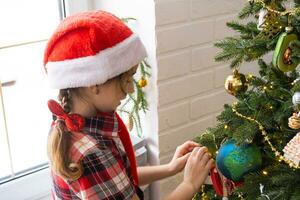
x=136 y=101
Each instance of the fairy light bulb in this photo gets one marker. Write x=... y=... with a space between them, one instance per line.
x=265 y=87
x=280 y=158
x=265 y=172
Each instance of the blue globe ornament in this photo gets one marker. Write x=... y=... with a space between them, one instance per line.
x=234 y=161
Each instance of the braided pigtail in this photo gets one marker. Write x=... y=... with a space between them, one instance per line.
x=59 y=143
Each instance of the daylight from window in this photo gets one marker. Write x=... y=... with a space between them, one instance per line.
x=22 y=43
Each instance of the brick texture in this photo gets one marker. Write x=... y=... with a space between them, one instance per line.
x=174 y=65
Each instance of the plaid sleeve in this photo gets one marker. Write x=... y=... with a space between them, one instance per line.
x=104 y=177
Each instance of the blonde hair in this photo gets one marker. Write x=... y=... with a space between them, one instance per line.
x=59 y=142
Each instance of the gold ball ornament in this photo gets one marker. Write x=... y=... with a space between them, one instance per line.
x=236 y=83
x=294 y=121
x=142 y=82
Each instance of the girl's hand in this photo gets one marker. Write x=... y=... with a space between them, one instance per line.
x=181 y=155
x=197 y=168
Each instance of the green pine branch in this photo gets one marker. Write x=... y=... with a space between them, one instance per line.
x=249 y=30
x=239 y=50
x=137 y=101
x=249 y=9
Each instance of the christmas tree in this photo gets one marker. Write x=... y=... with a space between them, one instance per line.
x=256 y=142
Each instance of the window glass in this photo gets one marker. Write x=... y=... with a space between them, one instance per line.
x=26 y=26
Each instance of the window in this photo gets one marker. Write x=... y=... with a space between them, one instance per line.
x=26 y=25
x=24 y=116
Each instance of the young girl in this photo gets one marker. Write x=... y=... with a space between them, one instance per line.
x=91 y=58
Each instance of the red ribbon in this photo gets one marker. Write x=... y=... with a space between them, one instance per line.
x=74 y=122
x=218 y=182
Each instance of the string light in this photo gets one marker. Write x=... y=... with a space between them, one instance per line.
x=249 y=77
x=225 y=126
x=277 y=154
x=265 y=173
x=240 y=196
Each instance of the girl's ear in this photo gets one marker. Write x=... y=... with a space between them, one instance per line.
x=126 y=82
x=95 y=89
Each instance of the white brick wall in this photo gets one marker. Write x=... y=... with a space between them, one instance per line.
x=190 y=82
x=174 y=65
x=184 y=87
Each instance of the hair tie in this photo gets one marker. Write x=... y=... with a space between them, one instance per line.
x=74 y=122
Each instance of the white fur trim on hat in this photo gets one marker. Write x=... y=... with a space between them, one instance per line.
x=97 y=69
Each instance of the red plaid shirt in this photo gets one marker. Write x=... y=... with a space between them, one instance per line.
x=107 y=173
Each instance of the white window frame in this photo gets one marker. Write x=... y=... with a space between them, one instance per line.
x=32 y=186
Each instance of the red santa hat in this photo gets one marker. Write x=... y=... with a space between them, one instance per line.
x=90 y=48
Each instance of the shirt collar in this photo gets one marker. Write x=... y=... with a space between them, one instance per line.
x=104 y=123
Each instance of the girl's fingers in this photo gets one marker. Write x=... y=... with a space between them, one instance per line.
x=187 y=147
x=185 y=157
x=195 y=151
x=192 y=144
x=201 y=152
x=210 y=164
x=206 y=156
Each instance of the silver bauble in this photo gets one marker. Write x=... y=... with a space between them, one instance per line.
x=296 y=98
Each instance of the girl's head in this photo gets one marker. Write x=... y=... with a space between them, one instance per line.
x=108 y=96
x=91 y=59
x=104 y=97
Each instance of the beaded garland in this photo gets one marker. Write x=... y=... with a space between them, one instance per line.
x=277 y=154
